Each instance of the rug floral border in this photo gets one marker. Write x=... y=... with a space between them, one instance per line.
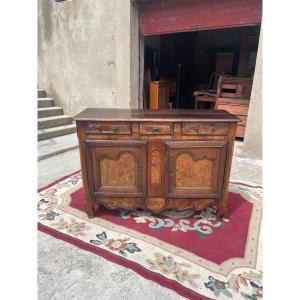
x=235 y=278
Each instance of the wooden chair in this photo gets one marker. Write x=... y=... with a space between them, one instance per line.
x=207 y=96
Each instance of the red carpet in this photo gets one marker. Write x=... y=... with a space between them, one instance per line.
x=233 y=234
x=190 y=252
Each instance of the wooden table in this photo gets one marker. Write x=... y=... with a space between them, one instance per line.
x=155 y=159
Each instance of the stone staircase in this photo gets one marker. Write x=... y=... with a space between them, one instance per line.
x=52 y=122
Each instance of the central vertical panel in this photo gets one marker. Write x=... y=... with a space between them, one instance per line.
x=156 y=157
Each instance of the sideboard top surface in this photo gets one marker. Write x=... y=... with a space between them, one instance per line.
x=166 y=115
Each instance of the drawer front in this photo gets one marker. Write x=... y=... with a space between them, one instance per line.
x=154 y=128
x=108 y=128
x=234 y=109
x=204 y=129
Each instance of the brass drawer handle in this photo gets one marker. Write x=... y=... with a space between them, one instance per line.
x=156 y=130
x=93 y=126
x=113 y=130
x=110 y=130
x=117 y=129
x=195 y=128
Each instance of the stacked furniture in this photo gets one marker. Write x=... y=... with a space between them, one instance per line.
x=224 y=64
x=233 y=95
x=159 y=94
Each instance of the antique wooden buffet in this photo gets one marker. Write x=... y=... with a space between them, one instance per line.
x=155 y=159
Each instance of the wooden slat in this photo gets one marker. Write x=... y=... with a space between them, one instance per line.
x=229 y=86
x=232 y=101
x=234 y=109
x=179 y=16
x=228 y=95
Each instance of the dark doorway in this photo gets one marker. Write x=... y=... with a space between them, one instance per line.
x=192 y=61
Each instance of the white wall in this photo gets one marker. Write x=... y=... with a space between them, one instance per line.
x=253 y=136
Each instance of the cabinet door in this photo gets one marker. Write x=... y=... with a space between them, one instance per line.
x=195 y=169
x=117 y=168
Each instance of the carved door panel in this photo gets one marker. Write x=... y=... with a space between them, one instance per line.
x=195 y=169
x=117 y=168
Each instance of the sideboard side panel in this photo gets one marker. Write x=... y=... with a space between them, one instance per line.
x=89 y=200
x=222 y=204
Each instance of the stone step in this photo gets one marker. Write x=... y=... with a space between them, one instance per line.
x=49 y=133
x=58 y=145
x=45 y=102
x=42 y=93
x=49 y=111
x=50 y=122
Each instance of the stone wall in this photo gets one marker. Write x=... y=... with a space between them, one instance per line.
x=88 y=53
x=253 y=137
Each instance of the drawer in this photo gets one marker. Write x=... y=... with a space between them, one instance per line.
x=204 y=129
x=155 y=128
x=108 y=128
x=234 y=109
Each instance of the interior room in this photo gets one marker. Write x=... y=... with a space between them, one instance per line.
x=191 y=59
x=182 y=70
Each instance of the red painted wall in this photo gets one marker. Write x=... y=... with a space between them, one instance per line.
x=189 y=15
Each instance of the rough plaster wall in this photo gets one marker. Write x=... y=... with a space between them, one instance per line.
x=141 y=75
x=134 y=56
x=253 y=136
x=122 y=48
x=84 y=53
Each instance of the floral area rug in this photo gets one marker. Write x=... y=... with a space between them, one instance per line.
x=190 y=252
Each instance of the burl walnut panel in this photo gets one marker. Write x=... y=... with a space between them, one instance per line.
x=195 y=168
x=156 y=160
x=119 y=172
x=192 y=173
x=156 y=165
x=117 y=168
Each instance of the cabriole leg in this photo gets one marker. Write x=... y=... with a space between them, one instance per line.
x=89 y=208
x=222 y=206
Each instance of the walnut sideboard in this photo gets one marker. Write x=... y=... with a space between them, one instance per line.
x=155 y=159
